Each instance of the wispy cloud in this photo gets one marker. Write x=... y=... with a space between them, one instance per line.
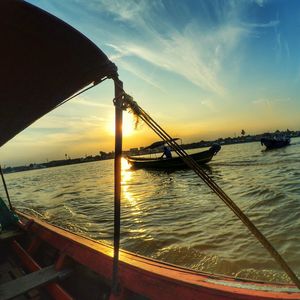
x=269 y=102
x=263 y=102
x=190 y=51
x=282 y=48
x=68 y=123
x=85 y=102
x=140 y=73
x=174 y=39
x=209 y=104
x=260 y=3
x=270 y=24
x=121 y=10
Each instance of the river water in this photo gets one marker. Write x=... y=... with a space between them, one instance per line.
x=173 y=216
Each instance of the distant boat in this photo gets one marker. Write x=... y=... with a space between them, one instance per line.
x=275 y=142
x=174 y=162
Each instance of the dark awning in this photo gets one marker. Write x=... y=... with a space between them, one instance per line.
x=159 y=144
x=43 y=61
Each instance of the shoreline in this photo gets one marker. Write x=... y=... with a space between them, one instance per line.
x=141 y=151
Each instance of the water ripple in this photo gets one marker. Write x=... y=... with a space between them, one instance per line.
x=173 y=216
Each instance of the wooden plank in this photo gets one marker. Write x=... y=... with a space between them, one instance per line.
x=6 y=275
x=9 y=234
x=4 y=272
x=25 y=283
x=5 y=266
x=55 y=290
x=32 y=294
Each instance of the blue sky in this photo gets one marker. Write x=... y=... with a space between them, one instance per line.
x=202 y=69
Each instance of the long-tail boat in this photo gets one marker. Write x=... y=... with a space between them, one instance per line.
x=202 y=157
x=44 y=62
x=275 y=142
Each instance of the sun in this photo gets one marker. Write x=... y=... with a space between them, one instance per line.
x=128 y=125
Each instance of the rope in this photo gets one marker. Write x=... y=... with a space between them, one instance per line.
x=80 y=92
x=138 y=111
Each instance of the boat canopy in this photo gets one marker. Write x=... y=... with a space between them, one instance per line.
x=43 y=62
x=159 y=144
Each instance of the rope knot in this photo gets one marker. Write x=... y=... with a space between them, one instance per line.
x=125 y=101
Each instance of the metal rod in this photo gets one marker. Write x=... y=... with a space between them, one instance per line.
x=117 y=176
x=6 y=190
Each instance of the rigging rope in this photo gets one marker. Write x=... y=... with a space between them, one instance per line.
x=80 y=92
x=93 y=84
x=139 y=112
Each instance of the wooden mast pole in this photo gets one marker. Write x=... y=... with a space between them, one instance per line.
x=118 y=101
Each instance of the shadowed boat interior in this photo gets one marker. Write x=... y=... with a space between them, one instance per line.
x=73 y=267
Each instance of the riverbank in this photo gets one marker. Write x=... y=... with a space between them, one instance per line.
x=142 y=151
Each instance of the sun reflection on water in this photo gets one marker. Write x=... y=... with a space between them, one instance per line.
x=132 y=201
x=126 y=193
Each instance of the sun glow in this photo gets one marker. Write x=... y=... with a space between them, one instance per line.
x=128 y=125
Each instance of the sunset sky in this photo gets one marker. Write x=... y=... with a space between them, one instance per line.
x=201 y=69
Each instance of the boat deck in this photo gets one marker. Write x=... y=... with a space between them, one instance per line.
x=13 y=285
x=42 y=261
x=15 y=282
x=12 y=276
x=33 y=270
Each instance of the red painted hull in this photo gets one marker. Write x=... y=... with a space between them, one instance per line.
x=150 y=278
